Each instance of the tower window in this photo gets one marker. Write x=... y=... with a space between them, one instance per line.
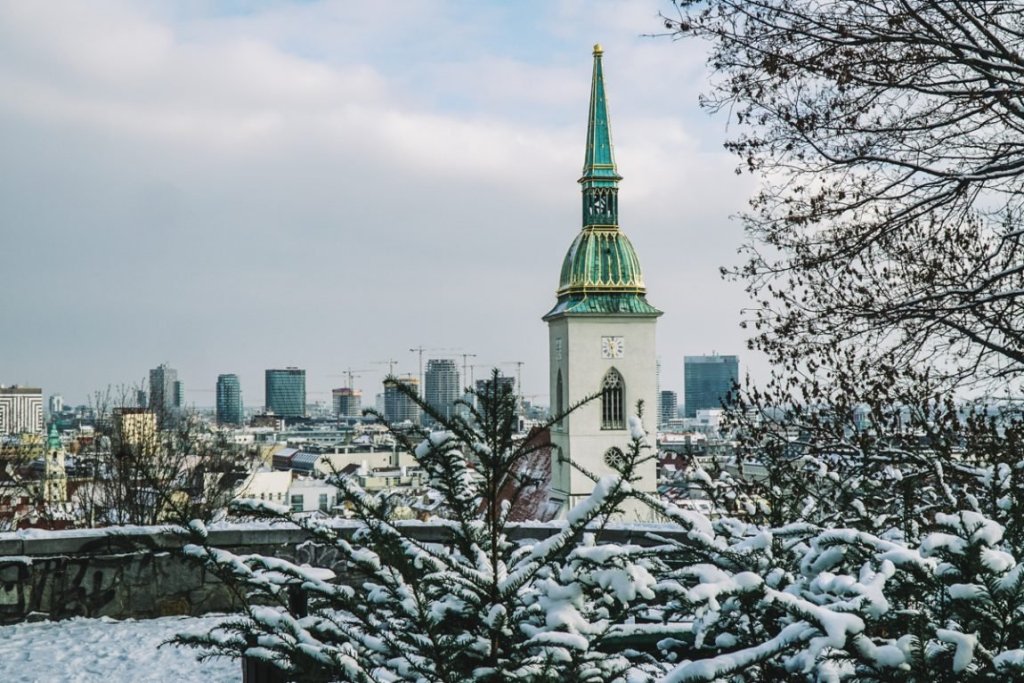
x=614 y=458
x=559 y=398
x=613 y=395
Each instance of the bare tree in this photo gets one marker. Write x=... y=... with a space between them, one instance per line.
x=889 y=138
x=21 y=487
x=127 y=472
x=151 y=476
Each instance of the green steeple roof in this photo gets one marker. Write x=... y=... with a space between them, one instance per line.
x=53 y=439
x=599 y=164
x=601 y=272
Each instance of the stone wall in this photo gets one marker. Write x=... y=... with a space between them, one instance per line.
x=140 y=573
x=134 y=572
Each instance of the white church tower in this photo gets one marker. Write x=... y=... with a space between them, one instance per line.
x=601 y=331
x=55 y=477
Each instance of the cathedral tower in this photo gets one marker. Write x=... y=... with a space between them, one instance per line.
x=601 y=330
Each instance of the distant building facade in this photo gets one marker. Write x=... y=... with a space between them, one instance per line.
x=286 y=392
x=441 y=386
x=165 y=399
x=397 y=406
x=504 y=384
x=21 y=410
x=135 y=430
x=707 y=381
x=229 y=400
x=267 y=421
x=348 y=402
x=668 y=408
x=56 y=404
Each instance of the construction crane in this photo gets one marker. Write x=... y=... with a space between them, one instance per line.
x=465 y=357
x=351 y=375
x=391 y=363
x=473 y=367
x=519 y=379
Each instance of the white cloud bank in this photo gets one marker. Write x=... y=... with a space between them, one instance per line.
x=324 y=185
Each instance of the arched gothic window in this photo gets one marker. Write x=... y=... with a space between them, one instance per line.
x=559 y=398
x=613 y=398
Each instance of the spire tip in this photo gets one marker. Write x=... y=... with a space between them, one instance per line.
x=598 y=51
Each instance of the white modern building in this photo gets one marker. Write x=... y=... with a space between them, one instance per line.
x=21 y=410
x=311 y=495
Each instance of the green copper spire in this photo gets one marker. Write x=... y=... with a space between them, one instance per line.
x=599 y=164
x=600 y=180
x=601 y=273
x=53 y=439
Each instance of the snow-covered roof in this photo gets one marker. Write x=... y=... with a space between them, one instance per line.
x=305 y=461
x=534 y=501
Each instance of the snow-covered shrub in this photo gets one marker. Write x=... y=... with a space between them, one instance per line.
x=477 y=606
x=870 y=448
x=806 y=603
x=878 y=541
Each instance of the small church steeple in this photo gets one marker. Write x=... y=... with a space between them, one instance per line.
x=600 y=179
x=55 y=478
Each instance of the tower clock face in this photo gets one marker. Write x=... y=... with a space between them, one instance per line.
x=613 y=347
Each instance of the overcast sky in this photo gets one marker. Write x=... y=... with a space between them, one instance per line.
x=329 y=184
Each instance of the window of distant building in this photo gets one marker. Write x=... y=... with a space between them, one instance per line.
x=324 y=505
x=297 y=503
x=559 y=398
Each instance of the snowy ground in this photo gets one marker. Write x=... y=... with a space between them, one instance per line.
x=80 y=650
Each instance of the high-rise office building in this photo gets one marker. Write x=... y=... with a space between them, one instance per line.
x=179 y=394
x=483 y=386
x=164 y=394
x=229 y=400
x=286 y=392
x=398 y=407
x=56 y=404
x=21 y=410
x=707 y=381
x=504 y=384
x=668 y=408
x=441 y=388
x=348 y=402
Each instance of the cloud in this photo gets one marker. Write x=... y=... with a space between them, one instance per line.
x=325 y=184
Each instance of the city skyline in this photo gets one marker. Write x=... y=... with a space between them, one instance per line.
x=199 y=159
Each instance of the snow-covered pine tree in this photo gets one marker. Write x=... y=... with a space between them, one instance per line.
x=477 y=606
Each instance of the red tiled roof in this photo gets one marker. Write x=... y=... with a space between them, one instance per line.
x=532 y=479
